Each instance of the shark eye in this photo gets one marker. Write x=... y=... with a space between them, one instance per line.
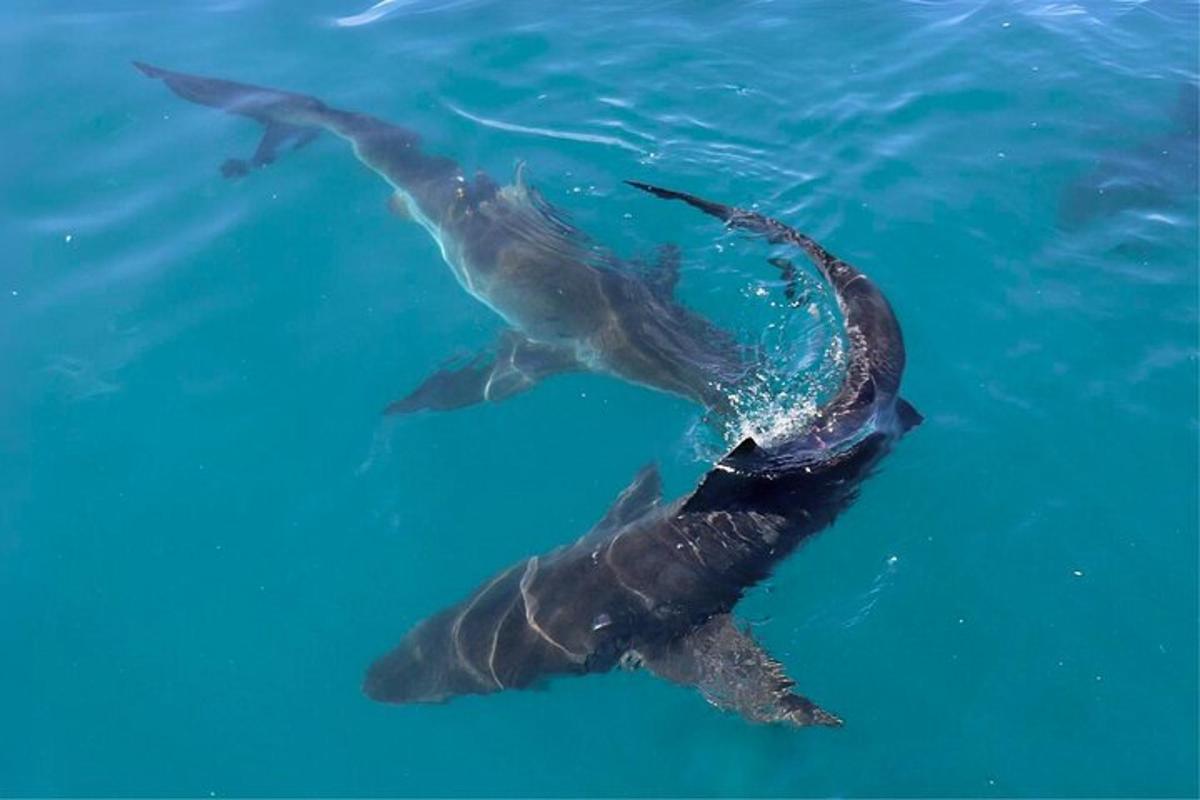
x=601 y=621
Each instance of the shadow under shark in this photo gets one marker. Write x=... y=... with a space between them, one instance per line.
x=653 y=584
x=567 y=307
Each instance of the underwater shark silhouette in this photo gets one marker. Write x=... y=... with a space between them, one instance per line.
x=1156 y=175
x=567 y=306
x=654 y=584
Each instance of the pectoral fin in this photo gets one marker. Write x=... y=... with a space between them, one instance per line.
x=514 y=365
x=733 y=672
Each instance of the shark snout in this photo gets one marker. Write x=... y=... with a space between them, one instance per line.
x=402 y=676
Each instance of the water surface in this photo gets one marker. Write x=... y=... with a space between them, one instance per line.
x=207 y=530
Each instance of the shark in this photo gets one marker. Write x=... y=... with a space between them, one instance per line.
x=654 y=583
x=1159 y=174
x=567 y=305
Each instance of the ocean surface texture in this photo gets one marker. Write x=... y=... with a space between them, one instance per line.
x=208 y=529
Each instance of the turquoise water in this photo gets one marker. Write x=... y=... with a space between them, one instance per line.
x=207 y=530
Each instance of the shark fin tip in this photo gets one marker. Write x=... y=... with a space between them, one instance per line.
x=745 y=447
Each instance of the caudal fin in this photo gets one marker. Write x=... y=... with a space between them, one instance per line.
x=296 y=119
x=877 y=356
x=289 y=118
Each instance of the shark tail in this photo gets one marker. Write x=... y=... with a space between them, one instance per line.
x=846 y=440
x=294 y=120
x=266 y=105
x=836 y=271
x=877 y=347
x=289 y=118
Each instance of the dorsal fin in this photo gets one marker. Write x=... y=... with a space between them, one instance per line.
x=641 y=495
x=534 y=211
x=782 y=480
x=744 y=448
x=726 y=483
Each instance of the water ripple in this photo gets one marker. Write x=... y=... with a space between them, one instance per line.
x=550 y=133
x=135 y=264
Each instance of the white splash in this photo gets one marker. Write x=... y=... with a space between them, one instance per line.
x=805 y=361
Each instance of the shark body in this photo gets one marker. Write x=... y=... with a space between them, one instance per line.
x=566 y=307
x=654 y=584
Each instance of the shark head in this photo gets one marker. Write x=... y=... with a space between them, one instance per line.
x=423 y=668
x=404 y=675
